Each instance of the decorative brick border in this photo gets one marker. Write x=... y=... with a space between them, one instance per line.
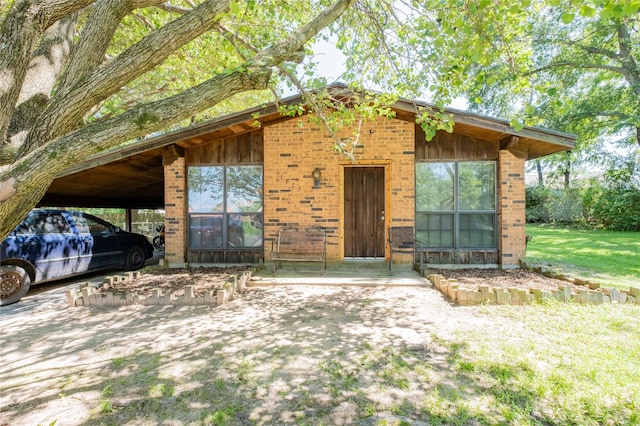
x=519 y=296
x=86 y=295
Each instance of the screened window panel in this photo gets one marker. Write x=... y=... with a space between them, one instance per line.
x=476 y=186
x=206 y=189
x=477 y=230
x=244 y=189
x=435 y=230
x=456 y=204
x=435 y=186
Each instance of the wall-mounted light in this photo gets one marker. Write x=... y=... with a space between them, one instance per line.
x=316 y=177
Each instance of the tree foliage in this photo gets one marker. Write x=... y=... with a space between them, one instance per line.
x=78 y=77
x=582 y=76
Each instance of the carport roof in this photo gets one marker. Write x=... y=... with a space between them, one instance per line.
x=132 y=176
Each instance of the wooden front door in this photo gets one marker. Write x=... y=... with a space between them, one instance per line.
x=364 y=212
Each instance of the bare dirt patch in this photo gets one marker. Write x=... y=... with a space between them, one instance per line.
x=173 y=281
x=502 y=278
x=312 y=355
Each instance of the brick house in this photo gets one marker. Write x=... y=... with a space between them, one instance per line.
x=229 y=186
x=226 y=197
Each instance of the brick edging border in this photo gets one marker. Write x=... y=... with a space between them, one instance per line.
x=87 y=295
x=591 y=294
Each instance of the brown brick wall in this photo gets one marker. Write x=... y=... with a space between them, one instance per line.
x=175 y=219
x=294 y=148
x=511 y=208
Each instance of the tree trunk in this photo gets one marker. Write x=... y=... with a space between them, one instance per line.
x=539 y=170
x=21 y=30
x=67 y=108
x=567 y=173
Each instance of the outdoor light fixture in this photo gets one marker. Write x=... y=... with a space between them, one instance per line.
x=316 y=177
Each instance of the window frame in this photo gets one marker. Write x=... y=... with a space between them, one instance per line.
x=456 y=213
x=224 y=213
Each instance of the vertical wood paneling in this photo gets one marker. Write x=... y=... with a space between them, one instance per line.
x=247 y=148
x=257 y=147
x=454 y=146
x=231 y=150
x=380 y=212
x=244 y=148
x=349 y=221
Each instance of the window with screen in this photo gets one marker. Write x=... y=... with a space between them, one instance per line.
x=456 y=204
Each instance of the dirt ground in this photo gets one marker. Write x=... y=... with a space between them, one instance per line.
x=174 y=280
x=276 y=355
x=502 y=278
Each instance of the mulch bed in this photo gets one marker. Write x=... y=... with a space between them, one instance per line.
x=174 y=280
x=502 y=278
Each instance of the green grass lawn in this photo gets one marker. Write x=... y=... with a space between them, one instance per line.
x=608 y=257
x=561 y=364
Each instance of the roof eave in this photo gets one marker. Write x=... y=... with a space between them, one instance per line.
x=557 y=141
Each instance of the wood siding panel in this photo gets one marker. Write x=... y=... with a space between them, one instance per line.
x=224 y=256
x=453 y=146
x=246 y=148
x=257 y=147
x=231 y=150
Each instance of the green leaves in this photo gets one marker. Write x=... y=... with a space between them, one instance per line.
x=516 y=124
x=587 y=11
x=567 y=17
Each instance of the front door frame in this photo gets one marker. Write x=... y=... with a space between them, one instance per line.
x=386 y=164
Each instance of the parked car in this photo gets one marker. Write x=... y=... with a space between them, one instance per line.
x=54 y=244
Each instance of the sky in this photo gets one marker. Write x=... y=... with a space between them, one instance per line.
x=331 y=65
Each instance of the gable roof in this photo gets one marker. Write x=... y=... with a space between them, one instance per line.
x=132 y=176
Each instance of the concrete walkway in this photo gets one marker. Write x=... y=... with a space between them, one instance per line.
x=349 y=273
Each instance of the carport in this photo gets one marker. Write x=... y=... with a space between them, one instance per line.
x=132 y=176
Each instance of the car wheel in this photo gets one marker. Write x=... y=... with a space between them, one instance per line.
x=135 y=258
x=14 y=284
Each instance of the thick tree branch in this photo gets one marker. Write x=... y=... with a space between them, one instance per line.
x=20 y=32
x=573 y=64
x=175 y=9
x=96 y=35
x=42 y=73
x=600 y=51
x=68 y=108
x=281 y=51
x=24 y=182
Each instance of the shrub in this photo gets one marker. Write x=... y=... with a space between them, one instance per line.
x=614 y=202
x=553 y=205
x=536 y=198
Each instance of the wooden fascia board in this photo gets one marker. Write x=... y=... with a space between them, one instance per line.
x=499 y=126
